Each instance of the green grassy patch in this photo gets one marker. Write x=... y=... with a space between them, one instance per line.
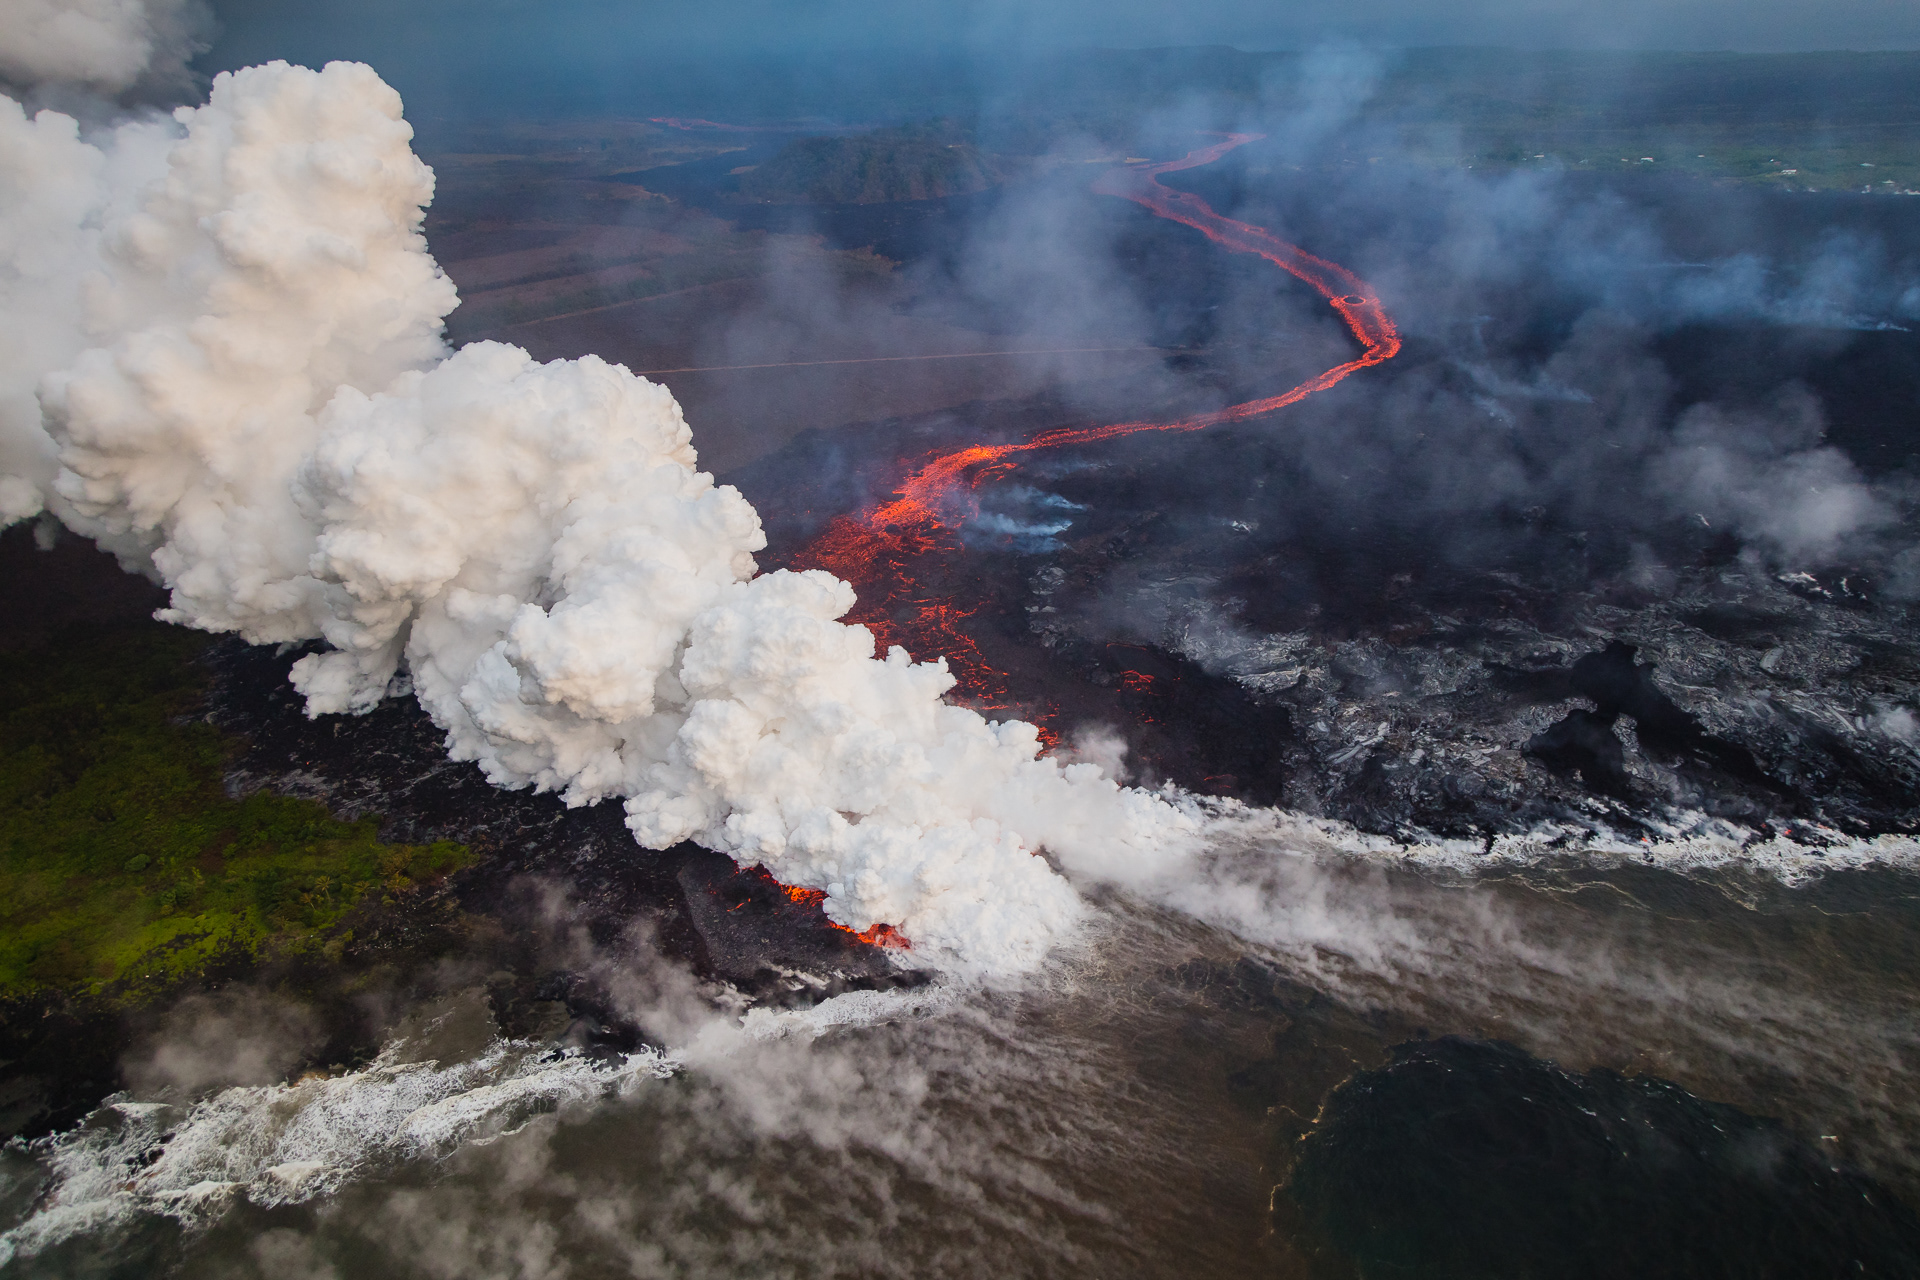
x=123 y=862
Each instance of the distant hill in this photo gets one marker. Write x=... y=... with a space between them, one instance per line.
x=913 y=162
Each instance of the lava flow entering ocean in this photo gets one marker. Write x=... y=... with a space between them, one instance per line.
x=876 y=549
x=880 y=550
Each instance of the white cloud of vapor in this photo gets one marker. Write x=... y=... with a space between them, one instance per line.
x=108 y=46
x=238 y=1036
x=234 y=378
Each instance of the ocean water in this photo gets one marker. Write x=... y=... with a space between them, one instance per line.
x=1324 y=1064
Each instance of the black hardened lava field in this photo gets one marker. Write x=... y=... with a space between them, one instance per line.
x=1447 y=599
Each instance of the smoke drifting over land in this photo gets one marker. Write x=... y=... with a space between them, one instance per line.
x=875 y=1128
x=1545 y=308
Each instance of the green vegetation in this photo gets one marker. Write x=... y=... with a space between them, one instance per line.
x=1885 y=161
x=914 y=162
x=124 y=865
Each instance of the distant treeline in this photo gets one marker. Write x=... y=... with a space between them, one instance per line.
x=1096 y=89
x=913 y=162
x=1832 y=121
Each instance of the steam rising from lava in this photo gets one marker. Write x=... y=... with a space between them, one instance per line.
x=231 y=374
x=224 y=361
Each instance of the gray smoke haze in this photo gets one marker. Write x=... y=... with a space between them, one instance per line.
x=1581 y=413
x=1767 y=474
x=237 y=1036
x=63 y=52
x=1054 y=1124
x=1551 y=316
x=445 y=31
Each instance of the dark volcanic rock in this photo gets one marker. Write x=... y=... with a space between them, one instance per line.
x=58 y=1058
x=65 y=583
x=1584 y=742
x=556 y=905
x=1550 y=680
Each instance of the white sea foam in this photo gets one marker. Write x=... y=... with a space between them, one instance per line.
x=1685 y=844
x=290 y=1143
x=849 y=1009
x=287 y=1143
x=1263 y=877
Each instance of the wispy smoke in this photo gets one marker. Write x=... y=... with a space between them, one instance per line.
x=1768 y=475
x=238 y=1036
x=225 y=363
x=760 y=1145
x=1318 y=98
x=1545 y=304
x=1559 y=300
x=223 y=360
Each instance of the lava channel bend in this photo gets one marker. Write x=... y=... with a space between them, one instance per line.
x=874 y=549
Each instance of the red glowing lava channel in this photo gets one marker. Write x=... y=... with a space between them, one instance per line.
x=873 y=549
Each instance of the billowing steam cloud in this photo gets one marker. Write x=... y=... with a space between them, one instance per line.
x=107 y=46
x=224 y=363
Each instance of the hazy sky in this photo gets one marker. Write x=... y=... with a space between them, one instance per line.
x=554 y=28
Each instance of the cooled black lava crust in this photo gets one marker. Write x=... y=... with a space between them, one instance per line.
x=1309 y=640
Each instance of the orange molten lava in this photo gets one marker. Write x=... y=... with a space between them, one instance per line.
x=878 y=935
x=875 y=549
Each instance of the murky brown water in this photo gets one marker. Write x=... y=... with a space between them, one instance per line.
x=1132 y=1112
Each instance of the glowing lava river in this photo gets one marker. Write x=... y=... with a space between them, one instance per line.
x=874 y=549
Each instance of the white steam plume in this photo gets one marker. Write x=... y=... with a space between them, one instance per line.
x=234 y=378
x=107 y=46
